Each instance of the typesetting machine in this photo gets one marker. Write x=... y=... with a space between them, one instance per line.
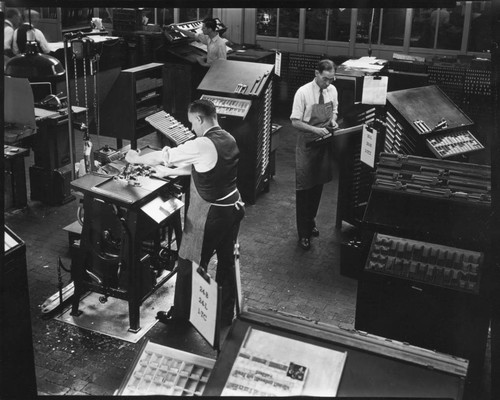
x=129 y=223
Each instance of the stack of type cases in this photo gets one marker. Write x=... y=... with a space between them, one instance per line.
x=426 y=294
x=430 y=263
x=424 y=121
x=460 y=182
x=448 y=200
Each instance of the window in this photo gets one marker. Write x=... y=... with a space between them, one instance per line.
x=328 y=23
x=194 y=14
x=480 y=34
x=147 y=16
x=266 y=21
x=438 y=28
x=289 y=22
x=339 y=28
x=188 y=14
x=393 y=26
x=365 y=16
x=165 y=16
x=316 y=22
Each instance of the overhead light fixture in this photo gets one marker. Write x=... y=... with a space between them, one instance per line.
x=32 y=64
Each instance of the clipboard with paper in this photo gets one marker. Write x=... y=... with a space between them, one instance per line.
x=374 y=90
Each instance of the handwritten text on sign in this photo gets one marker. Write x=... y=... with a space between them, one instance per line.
x=368 y=146
x=203 y=305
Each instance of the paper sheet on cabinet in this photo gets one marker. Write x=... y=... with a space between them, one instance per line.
x=374 y=90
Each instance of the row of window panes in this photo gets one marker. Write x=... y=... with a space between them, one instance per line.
x=164 y=16
x=440 y=28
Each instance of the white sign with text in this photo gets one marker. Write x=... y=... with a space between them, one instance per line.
x=204 y=300
x=368 y=146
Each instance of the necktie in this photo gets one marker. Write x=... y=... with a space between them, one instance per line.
x=321 y=98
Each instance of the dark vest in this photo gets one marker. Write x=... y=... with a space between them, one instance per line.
x=220 y=180
x=21 y=38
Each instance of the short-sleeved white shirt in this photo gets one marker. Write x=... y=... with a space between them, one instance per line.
x=216 y=47
x=308 y=95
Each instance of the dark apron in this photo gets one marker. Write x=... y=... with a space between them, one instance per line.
x=194 y=226
x=314 y=165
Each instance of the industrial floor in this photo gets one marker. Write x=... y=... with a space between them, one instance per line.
x=276 y=275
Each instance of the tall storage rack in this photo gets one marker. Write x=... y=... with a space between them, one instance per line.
x=136 y=94
x=232 y=82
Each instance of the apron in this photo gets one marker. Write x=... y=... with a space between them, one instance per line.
x=194 y=226
x=314 y=165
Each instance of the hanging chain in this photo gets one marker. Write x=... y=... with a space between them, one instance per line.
x=76 y=82
x=86 y=96
x=96 y=95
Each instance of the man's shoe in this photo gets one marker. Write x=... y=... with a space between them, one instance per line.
x=305 y=243
x=315 y=232
x=168 y=317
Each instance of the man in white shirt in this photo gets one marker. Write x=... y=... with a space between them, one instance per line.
x=12 y=21
x=215 y=207
x=216 y=47
x=27 y=32
x=315 y=107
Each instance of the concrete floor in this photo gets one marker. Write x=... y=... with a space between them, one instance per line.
x=276 y=275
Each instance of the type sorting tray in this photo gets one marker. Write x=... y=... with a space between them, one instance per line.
x=425 y=262
x=229 y=106
x=452 y=144
x=161 y=370
x=174 y=130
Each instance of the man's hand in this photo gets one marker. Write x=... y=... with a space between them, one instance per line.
x=132 y=157
x=334 y=124
x=322 y=131
x=162 y=171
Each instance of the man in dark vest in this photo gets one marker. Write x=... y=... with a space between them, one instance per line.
x=27 y=32
x=215 y=207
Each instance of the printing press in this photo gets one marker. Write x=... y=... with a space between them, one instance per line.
x=131 y=227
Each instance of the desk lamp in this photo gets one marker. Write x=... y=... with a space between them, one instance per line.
x=32 y=64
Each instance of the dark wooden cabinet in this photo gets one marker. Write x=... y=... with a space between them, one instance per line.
x=136 y=94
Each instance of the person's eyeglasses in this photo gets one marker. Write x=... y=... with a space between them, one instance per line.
x=328 y=80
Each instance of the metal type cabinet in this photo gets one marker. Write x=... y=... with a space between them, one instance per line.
x=17 y=375
x=374 y=367
x=15 y=193
x=428 y=295
x=121 y=238
x=235 y=81
x=443 y=201
x=424 y=121
x=137 y=93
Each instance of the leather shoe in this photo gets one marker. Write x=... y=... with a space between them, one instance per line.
x=169 y=317
x=315 y=232
x=305 y=243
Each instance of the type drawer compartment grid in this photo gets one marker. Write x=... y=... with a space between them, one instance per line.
x=452 y=144
x=429 y=263
x=161 y=370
